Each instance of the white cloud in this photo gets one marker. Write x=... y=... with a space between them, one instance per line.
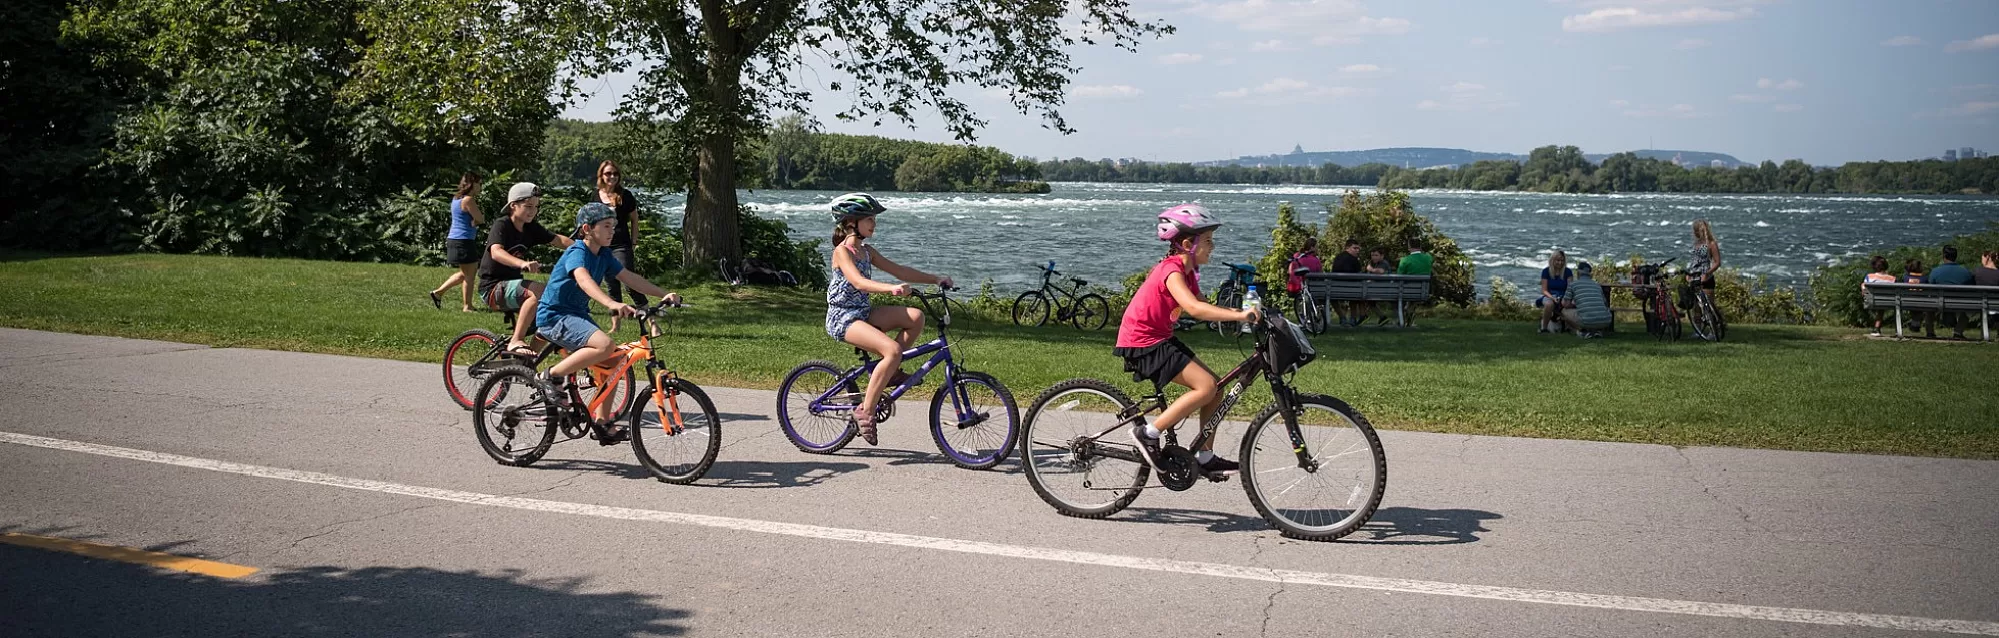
x=1676 y=111
x=1180 y=58
x=1615 y=18
x=1752 y=97
x=1108 y=90
x=1330 y=21
x=1902 y=41
x=1787 y=85
x=1468 y=96
x=1788 y=108
x=1289 y=90
x=1972 y=108
x=1981 y=43
x=1690 y=44
x=1361 y=69
x=1270 y=45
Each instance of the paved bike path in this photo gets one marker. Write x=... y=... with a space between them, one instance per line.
x=1840 y=533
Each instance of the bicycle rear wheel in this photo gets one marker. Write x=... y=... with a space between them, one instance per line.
x=1091 y=312
x=1325 y=502
x=517 y=417
x=467 y=362
x=823 y=429
x=677 y=433
x=980 y=432
x=1059 y=455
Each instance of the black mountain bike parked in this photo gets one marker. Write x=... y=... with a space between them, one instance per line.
x=1702 y=314
x=1086 y=311
x=1311 y=464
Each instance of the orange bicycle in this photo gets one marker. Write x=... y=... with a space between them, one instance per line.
x=519 y=414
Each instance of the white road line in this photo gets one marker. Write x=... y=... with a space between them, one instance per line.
x=1512 y=594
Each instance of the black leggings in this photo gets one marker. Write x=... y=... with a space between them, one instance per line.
x=617 y=289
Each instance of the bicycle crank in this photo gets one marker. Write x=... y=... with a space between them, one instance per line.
x=1177 y=468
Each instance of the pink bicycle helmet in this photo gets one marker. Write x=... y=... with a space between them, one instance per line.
x=1183 y=220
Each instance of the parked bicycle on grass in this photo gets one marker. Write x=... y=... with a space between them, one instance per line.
x=1086 y=311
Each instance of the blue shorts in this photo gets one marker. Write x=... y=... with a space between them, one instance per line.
x=839 y=318
x=568 y=332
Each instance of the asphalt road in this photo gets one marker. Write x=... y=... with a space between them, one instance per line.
x=358 y=491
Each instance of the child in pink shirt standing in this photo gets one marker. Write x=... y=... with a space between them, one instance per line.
x=1145 y=337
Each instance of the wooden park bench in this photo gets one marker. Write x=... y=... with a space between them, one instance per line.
x=1339 y=286
x=1983 y=300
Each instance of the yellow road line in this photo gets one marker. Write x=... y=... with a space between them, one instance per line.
x=129 y=555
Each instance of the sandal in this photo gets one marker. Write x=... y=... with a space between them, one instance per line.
x=436 y=301
x=522 y=350
x=614 y=433
x=867 y=427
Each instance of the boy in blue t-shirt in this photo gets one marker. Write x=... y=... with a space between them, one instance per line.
x=564 y=315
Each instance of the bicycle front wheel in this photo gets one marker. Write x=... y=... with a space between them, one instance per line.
x=974 y=421
x=1331 y=493
x=815 y=416
x=676 y=432
x=1030 y=309
x=517 y=416
x=1091 y=312
x=467 y=362
x=1061 y=441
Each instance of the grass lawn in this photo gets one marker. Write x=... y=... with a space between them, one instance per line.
x=1788 y=387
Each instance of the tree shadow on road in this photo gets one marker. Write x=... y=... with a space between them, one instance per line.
x=50 y=593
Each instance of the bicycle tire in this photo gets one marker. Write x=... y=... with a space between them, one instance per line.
x=1041 y=462
x=535 y=409
x=1371 y=472
x=951 y=442
x=461 y=382
x=1309 y=317
x=794 y=409
x=1030 y=305
x=703 y=433
x=1228 y=296
x=1091 y=312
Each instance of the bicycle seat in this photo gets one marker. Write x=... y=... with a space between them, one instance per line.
x=1078 y=282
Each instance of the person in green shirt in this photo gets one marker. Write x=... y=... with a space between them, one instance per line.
x=1416 y=262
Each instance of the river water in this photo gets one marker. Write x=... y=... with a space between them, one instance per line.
x=1103 y=231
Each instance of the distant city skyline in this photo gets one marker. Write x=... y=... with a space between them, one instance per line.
x=1829 y=81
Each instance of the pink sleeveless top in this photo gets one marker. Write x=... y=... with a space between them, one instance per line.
x=1149 y=319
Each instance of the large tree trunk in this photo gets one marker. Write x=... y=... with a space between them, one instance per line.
x=710 y=230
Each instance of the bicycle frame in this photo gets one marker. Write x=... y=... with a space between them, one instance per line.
x=1068 y=300
x=1235 y=382
x=606 y=373
x=939 y=350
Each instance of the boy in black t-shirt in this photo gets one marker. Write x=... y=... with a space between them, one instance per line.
x=507 y=243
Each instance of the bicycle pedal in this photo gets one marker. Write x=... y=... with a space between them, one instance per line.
x=1218 y=477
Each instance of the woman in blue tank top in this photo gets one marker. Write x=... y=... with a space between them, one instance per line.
x=1554 y=283
x=462 y=248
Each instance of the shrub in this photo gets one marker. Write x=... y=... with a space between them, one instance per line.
x=1836 y=288
x=1384 y=219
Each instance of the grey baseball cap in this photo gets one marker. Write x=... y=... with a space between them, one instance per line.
x=522 y=191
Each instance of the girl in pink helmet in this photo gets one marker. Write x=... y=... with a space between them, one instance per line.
x=1145 y=337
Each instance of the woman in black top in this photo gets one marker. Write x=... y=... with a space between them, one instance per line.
x=625 y=208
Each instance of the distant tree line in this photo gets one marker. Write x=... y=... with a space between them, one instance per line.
x=1081 y=170
x=1562 y=169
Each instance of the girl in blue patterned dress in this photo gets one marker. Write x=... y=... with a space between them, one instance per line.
x=849 y=317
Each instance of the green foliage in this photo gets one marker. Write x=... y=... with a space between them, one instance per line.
x=1742 y=298
x=1384 y=219
x=56 y=111
x=1286 y=239
x=1563 y=169
x=1836 y=288
x=571 y=150
x=769 y=240
x=1077 y=169
x=268 y=128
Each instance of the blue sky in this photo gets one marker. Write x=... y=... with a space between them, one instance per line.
x=1828 y=81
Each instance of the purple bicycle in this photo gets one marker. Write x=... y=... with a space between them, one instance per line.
x=973 y=417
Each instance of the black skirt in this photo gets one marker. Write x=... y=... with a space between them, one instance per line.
x=1158 y=363
x=462 y=251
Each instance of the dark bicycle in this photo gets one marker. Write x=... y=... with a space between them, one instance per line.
x=674 y=430
x=1702 y=315
x=972 y=418
x=475 y=354
x=1229 y=295
x=1649 y=284
x=1086 y=311
x=1311 y=464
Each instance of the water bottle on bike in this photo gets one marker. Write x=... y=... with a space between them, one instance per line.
x=1250 y=300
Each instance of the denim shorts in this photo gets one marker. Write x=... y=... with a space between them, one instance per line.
x=568 y=332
